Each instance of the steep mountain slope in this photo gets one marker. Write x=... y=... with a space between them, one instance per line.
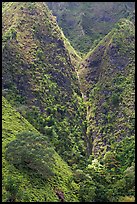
x=39 y=77
x=80 y=110
x=107 y=83
x=85 y=23
x=22 y=183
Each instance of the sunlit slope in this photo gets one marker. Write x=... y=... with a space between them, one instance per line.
x=32 y=187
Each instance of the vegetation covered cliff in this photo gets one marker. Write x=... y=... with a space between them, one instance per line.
x=68 y=122
x=86 y=23
x=39 y=78
x=107 y=83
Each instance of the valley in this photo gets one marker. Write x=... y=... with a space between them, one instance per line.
x=68 y=131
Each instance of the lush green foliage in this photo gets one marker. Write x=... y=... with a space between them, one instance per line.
x=72 y=126
x=12 y=187
x=34 y=181
x=31 y=151
x=39 y=78
x=107 y=180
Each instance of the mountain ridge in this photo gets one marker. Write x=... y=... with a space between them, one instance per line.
x=85 y=24
x=81 y=111
x=109 y=53
x=42 y=75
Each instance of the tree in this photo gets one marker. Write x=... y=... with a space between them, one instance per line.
x=129 y=175
x=87 y=190
x=110 y=160
x=30 y=150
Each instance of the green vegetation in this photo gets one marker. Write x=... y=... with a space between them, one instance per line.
x=39 y=77
x=107 y=81
x=110 y=100
x=86 y=23
x=68 y=123
x=31 y=151
x=25 y=171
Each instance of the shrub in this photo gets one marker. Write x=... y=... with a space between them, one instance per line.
x=87 y=190
x=39 y=53
x=115 y=99
x=79 y=175
x=127 y=199
x=10 y=34
x=110 y=160
x=12 y=186
x=129 y=175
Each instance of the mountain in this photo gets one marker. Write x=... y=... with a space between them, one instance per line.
x=68 y=121
x=39 y=76
x=107 y=83
x=86 y=23
x=20 y=182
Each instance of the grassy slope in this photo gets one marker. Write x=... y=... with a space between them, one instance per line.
x=107 y=78
x=39 y=78
x=32 y=188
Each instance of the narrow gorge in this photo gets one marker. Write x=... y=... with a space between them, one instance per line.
x=68 y=116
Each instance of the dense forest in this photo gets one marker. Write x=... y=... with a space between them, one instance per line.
x=68 y=97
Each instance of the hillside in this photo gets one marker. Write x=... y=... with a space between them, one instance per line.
x=39 y=77
x=86 y=23
x=107 y=83
x=68 y=121
x=22 y=183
